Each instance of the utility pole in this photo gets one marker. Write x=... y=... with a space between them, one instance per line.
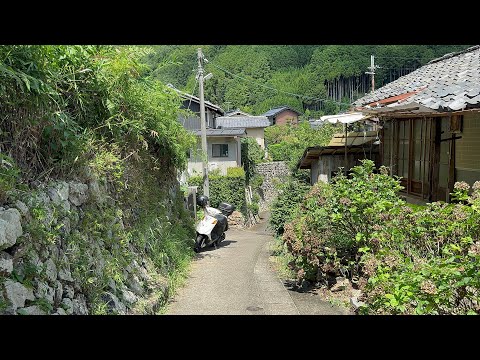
x=372 y=68
x=206 y=191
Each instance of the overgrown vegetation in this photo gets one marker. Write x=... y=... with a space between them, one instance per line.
x=252 y=154
x=9 y=176
x=228 y=188
x=58 y=101
x=286 y=205
x=288 y=142
x=91 y=113
x=404 y=261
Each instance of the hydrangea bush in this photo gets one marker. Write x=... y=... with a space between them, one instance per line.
x=405 y=261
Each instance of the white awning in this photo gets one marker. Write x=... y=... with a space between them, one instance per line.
x=344 y=118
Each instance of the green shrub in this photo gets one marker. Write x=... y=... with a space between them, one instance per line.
x=427 y=261
x=57 y=98
x=236 y=172
x=252 y=154
x=286 y=204
x=229 y=188
x=9 y=176
x=288 y=142
x=423 y=261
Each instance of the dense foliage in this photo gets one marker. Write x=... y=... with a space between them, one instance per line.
x=288 y=142
x=285 y=206
x=228 y=188
x=252 y=154
x=90 y=113
x=405 y=261
x=298 y=69
x=57 y=101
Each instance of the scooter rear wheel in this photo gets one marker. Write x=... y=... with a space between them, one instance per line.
x=198 y=243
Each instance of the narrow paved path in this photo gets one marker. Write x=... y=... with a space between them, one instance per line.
x=235 y=279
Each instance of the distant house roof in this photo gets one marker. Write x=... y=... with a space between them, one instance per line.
x=221 y=132
x=243 y=121
x=208 y=104
x=449 y=83
x=273 y=112
x=236 y=112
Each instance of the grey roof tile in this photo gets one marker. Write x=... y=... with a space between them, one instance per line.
x=275 y=111
x=474 y=100
x=242 y=121
x=221 y=132
x=457 y=104
x=452 y=82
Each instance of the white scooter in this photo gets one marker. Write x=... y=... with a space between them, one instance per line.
x=211 y=229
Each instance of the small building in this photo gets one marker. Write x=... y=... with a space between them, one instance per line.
x=192 y=103
x=282 y=115
x=325 y=161
x=430 y=123
x=224 y=151
x=223 y=145
x=254 y=126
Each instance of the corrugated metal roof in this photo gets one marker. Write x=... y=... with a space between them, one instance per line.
x=353 y=138
x=313 y=153
x=273 y=112
x=242 y=121
x=221 y=132
x=450 y=83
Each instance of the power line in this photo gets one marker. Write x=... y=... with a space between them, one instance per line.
x=398 y=57
x=193 y=91
x=274 y=89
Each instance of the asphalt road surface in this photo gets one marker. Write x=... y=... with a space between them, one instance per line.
x=237 y=279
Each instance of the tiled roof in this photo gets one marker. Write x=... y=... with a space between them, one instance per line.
x=275 y=111
x=242 y=121
x=221 y=132
x=197 y=100
x=236 y=112
x=449 y=83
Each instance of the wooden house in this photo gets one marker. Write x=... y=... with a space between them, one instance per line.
x=430 y=125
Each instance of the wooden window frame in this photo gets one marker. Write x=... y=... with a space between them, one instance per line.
x=426 y=157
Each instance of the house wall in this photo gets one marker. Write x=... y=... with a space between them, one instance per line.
x=286 y=116
x=258 y=134
x=222 y=163
x=315 y=172
x=195 y=107
x=322 y=168
x=445 y=164
x=467 y=150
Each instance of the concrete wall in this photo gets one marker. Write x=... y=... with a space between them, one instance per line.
x=258 y=134
x=222 y=163
x=467 y=150
x=285 y=117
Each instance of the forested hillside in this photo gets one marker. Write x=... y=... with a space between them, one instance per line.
x=256 y=78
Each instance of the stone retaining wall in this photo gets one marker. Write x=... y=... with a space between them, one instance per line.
x=273 y=172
